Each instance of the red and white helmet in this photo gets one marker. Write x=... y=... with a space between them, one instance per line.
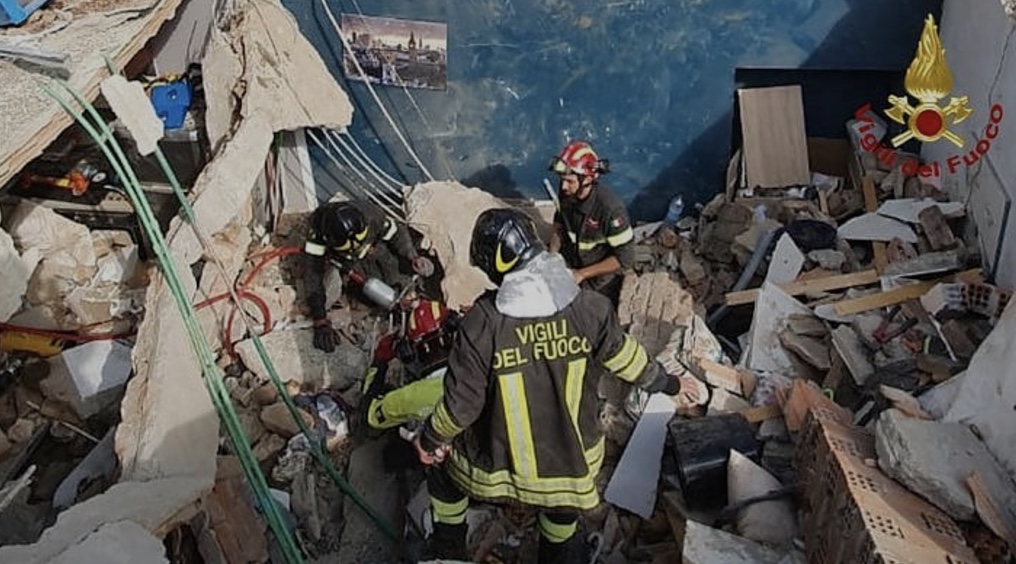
x=578 y=157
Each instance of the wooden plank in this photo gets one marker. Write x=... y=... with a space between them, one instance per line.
x=720 y=375
x=774 y=140
x=1001 y=523
x=759 y=414
x=838 y=282
x=883 y=299
x=871 y=205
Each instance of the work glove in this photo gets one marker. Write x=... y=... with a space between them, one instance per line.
x=325 y=336
x=423 y=266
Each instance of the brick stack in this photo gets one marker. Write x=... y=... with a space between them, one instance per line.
x=855 y=514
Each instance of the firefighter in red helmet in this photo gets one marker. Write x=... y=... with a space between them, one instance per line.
x=592 y=229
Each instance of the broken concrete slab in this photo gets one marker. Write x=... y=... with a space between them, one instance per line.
x=852 y=351
x=168 y=427
x=807 y=326
x=277 y=419
x=121 y=542
x=89 y=376
x=427 y=208
x=875 y=227
x=773 y=522
x=934 y=460
x=786 y=262
x=927 y=263
x=134 y=110
x=295 y=358
x=812 y=351
x=773 y=308
x=706 y=545
x=156 y=506
x=909 y=209
x=828 y=259
x=99 y=462
x=16 y=271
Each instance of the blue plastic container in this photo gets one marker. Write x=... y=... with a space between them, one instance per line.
x=14 y=12
x=171 y=102
x=675 y=210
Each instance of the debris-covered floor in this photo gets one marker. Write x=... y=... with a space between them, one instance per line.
x=841 y=331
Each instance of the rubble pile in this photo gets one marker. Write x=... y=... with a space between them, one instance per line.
x=865 y=304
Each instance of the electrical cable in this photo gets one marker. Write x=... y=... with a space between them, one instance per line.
x=391 y=213
x=367 y=165
x=374 y=165
x=373 y=93
x=367 y=183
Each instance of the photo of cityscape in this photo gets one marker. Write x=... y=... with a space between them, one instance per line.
x=396 y=52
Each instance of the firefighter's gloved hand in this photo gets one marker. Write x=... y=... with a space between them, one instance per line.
x=325 y=336
x=423 y=266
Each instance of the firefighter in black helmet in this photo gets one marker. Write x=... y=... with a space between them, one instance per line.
x=518 y=417
x=355 y=235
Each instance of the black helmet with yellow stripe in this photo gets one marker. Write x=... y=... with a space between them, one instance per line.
x=504 y=240
x=343 y=227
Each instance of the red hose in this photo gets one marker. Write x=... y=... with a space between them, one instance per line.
x=241 y=292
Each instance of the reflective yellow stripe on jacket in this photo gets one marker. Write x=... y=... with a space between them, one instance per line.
x=524 y=483
x=629 y=362
x=579 y=492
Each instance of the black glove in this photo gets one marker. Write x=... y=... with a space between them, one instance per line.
x=325 y=336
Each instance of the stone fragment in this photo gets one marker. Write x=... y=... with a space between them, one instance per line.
x=277 y=419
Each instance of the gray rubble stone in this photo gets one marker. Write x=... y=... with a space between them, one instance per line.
x=932 y=459
x=706 y=545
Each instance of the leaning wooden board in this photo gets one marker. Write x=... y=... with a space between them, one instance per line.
x=774 y=140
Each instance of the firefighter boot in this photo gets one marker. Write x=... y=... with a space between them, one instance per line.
x=571 y=551
x=447 y=543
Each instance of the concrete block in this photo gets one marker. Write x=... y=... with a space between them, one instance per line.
x=932 y=459
x=706 y=545
x=89 y=376
x=771 y=522
x=295 y=358
x=123 y=542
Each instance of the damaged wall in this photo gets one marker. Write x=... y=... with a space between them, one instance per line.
x=978 y=40
x=650 y=83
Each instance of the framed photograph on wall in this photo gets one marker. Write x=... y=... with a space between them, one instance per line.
x=395 y=52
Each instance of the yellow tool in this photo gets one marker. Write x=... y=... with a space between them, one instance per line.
x=21 y=341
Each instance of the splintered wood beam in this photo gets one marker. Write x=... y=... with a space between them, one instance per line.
x=883 y=299
x=871 y=206
x=837 y=282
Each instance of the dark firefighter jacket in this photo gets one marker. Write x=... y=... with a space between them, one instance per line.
x=594 y=229
x=520 y=400
x=386 y=258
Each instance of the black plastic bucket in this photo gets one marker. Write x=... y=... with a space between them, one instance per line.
x=702 y=447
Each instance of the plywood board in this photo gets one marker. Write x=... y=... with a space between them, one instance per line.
x=773 y=136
